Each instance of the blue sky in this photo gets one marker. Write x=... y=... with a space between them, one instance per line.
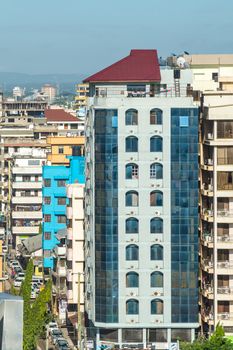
x=83 y=36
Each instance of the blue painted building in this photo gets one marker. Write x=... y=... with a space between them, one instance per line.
x=55 y=179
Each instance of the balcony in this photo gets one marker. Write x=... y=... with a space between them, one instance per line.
x=225 y=267
x=207 y=265
x=208 y=164
x=225 y=216
x=26 y=200
x=207 y=239
x=207 y=316
x=60 y=251
x=225 y=293
x=226 y=318
x=27 y=214
x=70 y=254
x=61 y=271
x=22 y=230
x=27 y=185
x=207 y=214
x=208 y=291
x=69 y=212
x=27 y=170
x=207 y=190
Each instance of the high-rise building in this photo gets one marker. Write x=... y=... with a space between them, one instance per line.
x=82 y=92
x=213 y=75
x=141 y=203
x=49 y=91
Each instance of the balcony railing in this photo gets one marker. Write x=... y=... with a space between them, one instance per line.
x=224 y=290
x=208 y=263
x=225 y=316
x=169 y=91
x=225 y=239
x=224 y=264
x=207 y=187
x=208 y=287
x=208 y=161
x=207 y=212
x=225 y=213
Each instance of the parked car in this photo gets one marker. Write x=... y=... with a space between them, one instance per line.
x=61 y=344
x=14 y=263
x=17 y=270
x=55 y=334
x=52 y=325
x=21 y=274
x=18 y=282
x=4 y=248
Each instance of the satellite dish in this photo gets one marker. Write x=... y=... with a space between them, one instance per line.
x=180 y=62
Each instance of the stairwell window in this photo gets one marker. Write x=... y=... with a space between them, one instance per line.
x=47 y=218
x=61 y=219
x=61 y=183
x=47 y=182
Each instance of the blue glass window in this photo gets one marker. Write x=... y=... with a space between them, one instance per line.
x=132 y=280
x=156 y=225
x=132 y=307
x=156 y=117
x=132 y=252
x=156 y=307
x=131 y=225
x=156 y=144
x=131 y=117
x=131 y=199
x=184 y=121
x=156 y=252
x=156 y=279
x=156 y=199
x=156 y=171
x=131 y=144
x=131 y=171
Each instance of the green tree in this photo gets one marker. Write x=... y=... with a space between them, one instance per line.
x=35 y=313
x=217 y=341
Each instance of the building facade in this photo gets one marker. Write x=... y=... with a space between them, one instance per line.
x=142 y=203
x=55 y=179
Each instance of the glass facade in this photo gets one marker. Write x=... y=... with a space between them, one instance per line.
x=184 y=214
x=106 y=216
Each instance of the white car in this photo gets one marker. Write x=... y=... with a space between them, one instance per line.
x=18 y=282
x=15 y=263
x=21 y=275
x=52 y=325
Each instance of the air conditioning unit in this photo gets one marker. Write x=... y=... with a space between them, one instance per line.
x=131 y=131
x=160 y=132
x=157 y=212
x=158 y=185
x=132 y=240
x=152 y=185
x=132 y=267
x=156 y=131
x=157 y=293
x=132 y=321
x=156 y=239
x=131 y=158
x=156 y=158
x=132 y=294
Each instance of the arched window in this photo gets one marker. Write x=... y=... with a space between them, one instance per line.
x=131 y=199
x=156 y=307
x=132 y=307
x=156 y=117
x=156 y=144
x=131 y=225
x=131 y=144
x=132 y=252
x=156 y=199
x=132 y=280
x=156 y=171
x=131 y=117
x=156 y=225
x=156 y=252
x=131 y=171
x=156 y=279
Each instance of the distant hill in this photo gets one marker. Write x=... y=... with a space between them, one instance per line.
x=65 y=82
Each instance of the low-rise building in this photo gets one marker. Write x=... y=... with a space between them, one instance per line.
x=61 y=147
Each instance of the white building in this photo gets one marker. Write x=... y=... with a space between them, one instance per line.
x=141 y=204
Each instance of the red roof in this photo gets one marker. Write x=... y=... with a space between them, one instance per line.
x=140 y=65
x=59 y=115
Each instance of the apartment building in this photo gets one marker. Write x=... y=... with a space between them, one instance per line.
x=66 y=123
x=142 y=203
x=61 y=147
x=68 y=271
x=55 y=179
x=213 y=75
x=82 y=92
x=26 y=193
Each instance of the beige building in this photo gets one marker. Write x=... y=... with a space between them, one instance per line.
x=61 y=147
x=49 y=91
x=213 y=76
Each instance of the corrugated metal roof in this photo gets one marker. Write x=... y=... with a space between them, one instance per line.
x=140 y=65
